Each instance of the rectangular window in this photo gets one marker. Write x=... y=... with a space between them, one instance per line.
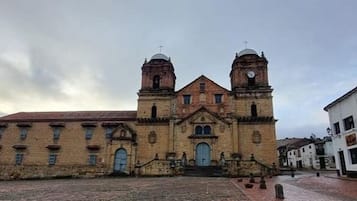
x=218 y=98
x=19 y=158
x=108 y=132
x=202 y=87
x=56 y=133
x=349 y=124
x=89 y=133
x=303 y=149
x=337 y=127
x=92 y=159
x=186 y=99
x=52 y=159
x=23 y=133
x=353 y=153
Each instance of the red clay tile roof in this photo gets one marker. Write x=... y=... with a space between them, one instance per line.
x=70 y=116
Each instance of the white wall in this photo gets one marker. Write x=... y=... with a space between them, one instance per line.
x=337 y=113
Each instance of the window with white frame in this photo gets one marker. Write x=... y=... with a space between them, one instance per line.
x=348 y=123
x=353 y=153
x=336 y=126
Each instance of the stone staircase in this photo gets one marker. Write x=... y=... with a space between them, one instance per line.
x=203 y=171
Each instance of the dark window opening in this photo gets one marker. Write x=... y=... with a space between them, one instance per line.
x=198 y=130
x=337 y=127
x=56 y=133
x=89 y=133
x=218 y=98
x=253 y=110
x=353 y=153
x=153 y=111
x=202 y=87
x=251 y=81
x=349 y=124
x=19 y=158
x=156 y=82
x=186 y=99
x=92 y=160
x=52 y=159
x=23 y=133
x=207 y=130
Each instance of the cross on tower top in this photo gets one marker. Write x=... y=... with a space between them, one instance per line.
x=160 y=47
x=246 y=44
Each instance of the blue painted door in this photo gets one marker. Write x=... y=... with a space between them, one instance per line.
x=203 y=156
x=120 y=160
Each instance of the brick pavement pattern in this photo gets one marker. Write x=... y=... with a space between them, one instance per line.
x=306 y=187
x=123 y=189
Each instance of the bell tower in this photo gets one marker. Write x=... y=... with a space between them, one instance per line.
x=157 y=87
x=253 y=106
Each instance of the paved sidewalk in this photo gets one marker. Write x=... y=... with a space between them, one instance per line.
x=305 y=187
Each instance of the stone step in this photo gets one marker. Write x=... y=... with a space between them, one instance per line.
x=203 y=171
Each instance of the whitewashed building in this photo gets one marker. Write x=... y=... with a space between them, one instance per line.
x=342 y=116
x=311 y=154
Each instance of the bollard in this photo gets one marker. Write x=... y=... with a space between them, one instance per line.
x=292 y=172
x=262 y=183
x=279 y=193
x=251 y=178
x=317 y=174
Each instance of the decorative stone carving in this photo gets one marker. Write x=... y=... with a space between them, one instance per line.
x=152 y=137
x=256 y=137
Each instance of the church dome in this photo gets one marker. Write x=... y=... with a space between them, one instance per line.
x=247 y=51
x=160 y=56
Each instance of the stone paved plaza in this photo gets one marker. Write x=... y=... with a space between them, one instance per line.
x=162 y=188
x=303 y=187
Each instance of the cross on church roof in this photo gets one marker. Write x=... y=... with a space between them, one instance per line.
x=246 y=44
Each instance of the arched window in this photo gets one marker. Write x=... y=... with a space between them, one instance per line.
x=253 y=110
x=198 y=130
x=251 y=81
x=156 y=82
x=153 y=111
x=207 y=130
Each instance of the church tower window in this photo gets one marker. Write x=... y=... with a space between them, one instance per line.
x=251 y=81
x=153 y=111
x=156 y=82
x=253 y=110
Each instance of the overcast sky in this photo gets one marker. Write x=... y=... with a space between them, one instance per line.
x=87 y=55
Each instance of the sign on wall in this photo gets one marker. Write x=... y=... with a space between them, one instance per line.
x=351 y=139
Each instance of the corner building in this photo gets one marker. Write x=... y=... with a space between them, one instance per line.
x=202 y=128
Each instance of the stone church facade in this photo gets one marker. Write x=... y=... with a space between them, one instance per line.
x=199 y=127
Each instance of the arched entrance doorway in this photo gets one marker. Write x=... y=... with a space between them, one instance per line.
x=203 y=154
x=120 y=160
